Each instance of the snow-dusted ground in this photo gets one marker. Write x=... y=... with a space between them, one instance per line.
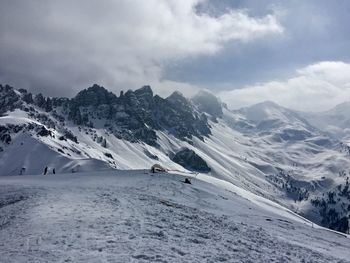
x=134 y=216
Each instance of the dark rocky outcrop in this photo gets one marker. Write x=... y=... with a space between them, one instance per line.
x=68 y=135
x=94 y=96
x=109 y=155
x=9 y=99
x=5 y=138
x=28 y=98
x=191 y=161
x=133 y=116
x=137 y=115
x=44 y=132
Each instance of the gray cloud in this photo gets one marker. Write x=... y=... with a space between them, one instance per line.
x=315 y=30
x=316 y=87
x=59 y=47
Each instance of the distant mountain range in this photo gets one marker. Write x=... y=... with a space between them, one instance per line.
x=299 y=160
x=336 y=122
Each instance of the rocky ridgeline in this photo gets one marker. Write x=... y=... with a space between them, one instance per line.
x=9 y=99
x=136 y=115
x=133 y=116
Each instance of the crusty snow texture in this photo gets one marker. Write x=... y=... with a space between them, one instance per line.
x=136 y=216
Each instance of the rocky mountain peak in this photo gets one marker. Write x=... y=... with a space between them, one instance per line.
x=94 y=96
x=179 y=100
x=9 y=99
x=176 y=96
x=144 y=92
x=134 y=116
x=207 y=102
x=144 y=96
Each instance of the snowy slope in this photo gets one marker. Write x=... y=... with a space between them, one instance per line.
x=265 y=149
x=34 y=156
x=33 y=153
x=247 y=160
x=135 y=216
x=269 y=110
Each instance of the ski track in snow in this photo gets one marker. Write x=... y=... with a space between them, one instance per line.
x=136 y=217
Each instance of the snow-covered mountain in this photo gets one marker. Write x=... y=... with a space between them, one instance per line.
x=266 y=149
x=336 y=121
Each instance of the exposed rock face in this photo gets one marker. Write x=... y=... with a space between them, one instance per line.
x=136 y=115
x=5 y=138
x=191 y=161
x=183 y=119
x=9 y=99
x=133 y=116
x=94 y=96
x=27 y=97
x=44 y=132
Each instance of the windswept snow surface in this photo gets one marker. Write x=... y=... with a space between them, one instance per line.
x=136 y=216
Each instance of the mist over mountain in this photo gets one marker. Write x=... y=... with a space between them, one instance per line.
x=335 y=121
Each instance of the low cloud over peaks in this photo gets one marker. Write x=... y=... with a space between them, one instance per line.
x=316 y=87
x=59 y=47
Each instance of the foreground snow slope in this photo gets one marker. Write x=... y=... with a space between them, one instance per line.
x=134 y=216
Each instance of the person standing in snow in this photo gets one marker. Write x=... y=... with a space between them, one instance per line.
x=45 y=170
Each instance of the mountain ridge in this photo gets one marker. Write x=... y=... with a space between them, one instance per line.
x=280 y=156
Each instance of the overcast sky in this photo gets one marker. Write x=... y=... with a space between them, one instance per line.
x=295 y=53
